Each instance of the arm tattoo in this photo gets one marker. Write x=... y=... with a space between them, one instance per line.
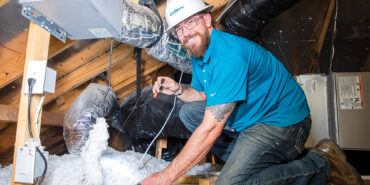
x=219 y=111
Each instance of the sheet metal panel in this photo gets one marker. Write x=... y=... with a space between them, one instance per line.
x=352 y=96
x=81 y=19
x=315 y=88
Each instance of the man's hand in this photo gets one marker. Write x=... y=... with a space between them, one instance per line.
x=169 y=86
x=155 y=179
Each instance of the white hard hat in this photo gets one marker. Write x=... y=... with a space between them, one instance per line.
x=179 y=10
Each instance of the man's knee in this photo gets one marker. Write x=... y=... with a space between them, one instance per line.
x=191 y=114
x=184 y=112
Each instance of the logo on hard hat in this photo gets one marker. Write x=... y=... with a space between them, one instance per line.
x=176 y=10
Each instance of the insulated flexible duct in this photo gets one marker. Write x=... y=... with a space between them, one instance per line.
x=151 y=117
x=141 y=28
x=94 y=102
x=170 y=50
x=247 y=17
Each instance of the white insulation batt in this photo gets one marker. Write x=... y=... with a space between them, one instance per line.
x=113 y=168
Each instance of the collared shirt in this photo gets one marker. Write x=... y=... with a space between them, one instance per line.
x=235 y=69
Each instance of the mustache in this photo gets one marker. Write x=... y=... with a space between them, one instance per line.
x=187 y=38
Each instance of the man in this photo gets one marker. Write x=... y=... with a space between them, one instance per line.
x=237 y=83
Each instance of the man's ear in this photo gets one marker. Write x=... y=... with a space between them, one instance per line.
x=208 y=19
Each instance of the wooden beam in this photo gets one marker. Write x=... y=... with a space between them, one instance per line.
x=56 y=46
x=7 y=139
x=68 y=99
x=37 y=49
x=99 y=65
x=315 y=50
x=3 y=2
x=10 y=65
x=63 y=68
x=13 y=54
x=82 y=57
x=188 y=179
x=122 y=76
x=88 y=71
x=208 y=181
x=9 y=113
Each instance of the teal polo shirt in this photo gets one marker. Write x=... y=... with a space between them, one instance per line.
x=235 y=69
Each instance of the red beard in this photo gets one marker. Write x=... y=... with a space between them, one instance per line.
x=197 y=50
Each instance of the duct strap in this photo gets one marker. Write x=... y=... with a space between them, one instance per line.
x=150 y=4
x=137 y=51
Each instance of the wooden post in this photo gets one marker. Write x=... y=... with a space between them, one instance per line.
x=161 y=143
x=213 y=159
x=37 y=49
x=188 y=179
x=208 y=181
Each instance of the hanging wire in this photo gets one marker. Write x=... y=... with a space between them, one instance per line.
x=109 y=69
x=332 y=49
x=283 y=54
x=110 y=63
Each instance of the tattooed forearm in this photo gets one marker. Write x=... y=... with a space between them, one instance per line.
x=219 y=111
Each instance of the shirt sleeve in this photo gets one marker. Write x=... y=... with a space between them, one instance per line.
x=229 y=80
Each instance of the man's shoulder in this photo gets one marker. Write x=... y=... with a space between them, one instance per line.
x=232 y=43
x=231 y=37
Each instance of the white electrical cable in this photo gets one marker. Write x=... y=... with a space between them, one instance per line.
x=165 y=123
x=37 y=118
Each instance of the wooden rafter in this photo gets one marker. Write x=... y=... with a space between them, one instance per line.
x=122 y=76
x=82 y=57
x=88 y=71
x=9 y=113
x=56 y=46
x=7 y=139
x=3 y=2
x=315 y=49
x=13 y=55
x=63 y=68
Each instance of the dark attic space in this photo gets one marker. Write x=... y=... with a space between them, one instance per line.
x=161 y=92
